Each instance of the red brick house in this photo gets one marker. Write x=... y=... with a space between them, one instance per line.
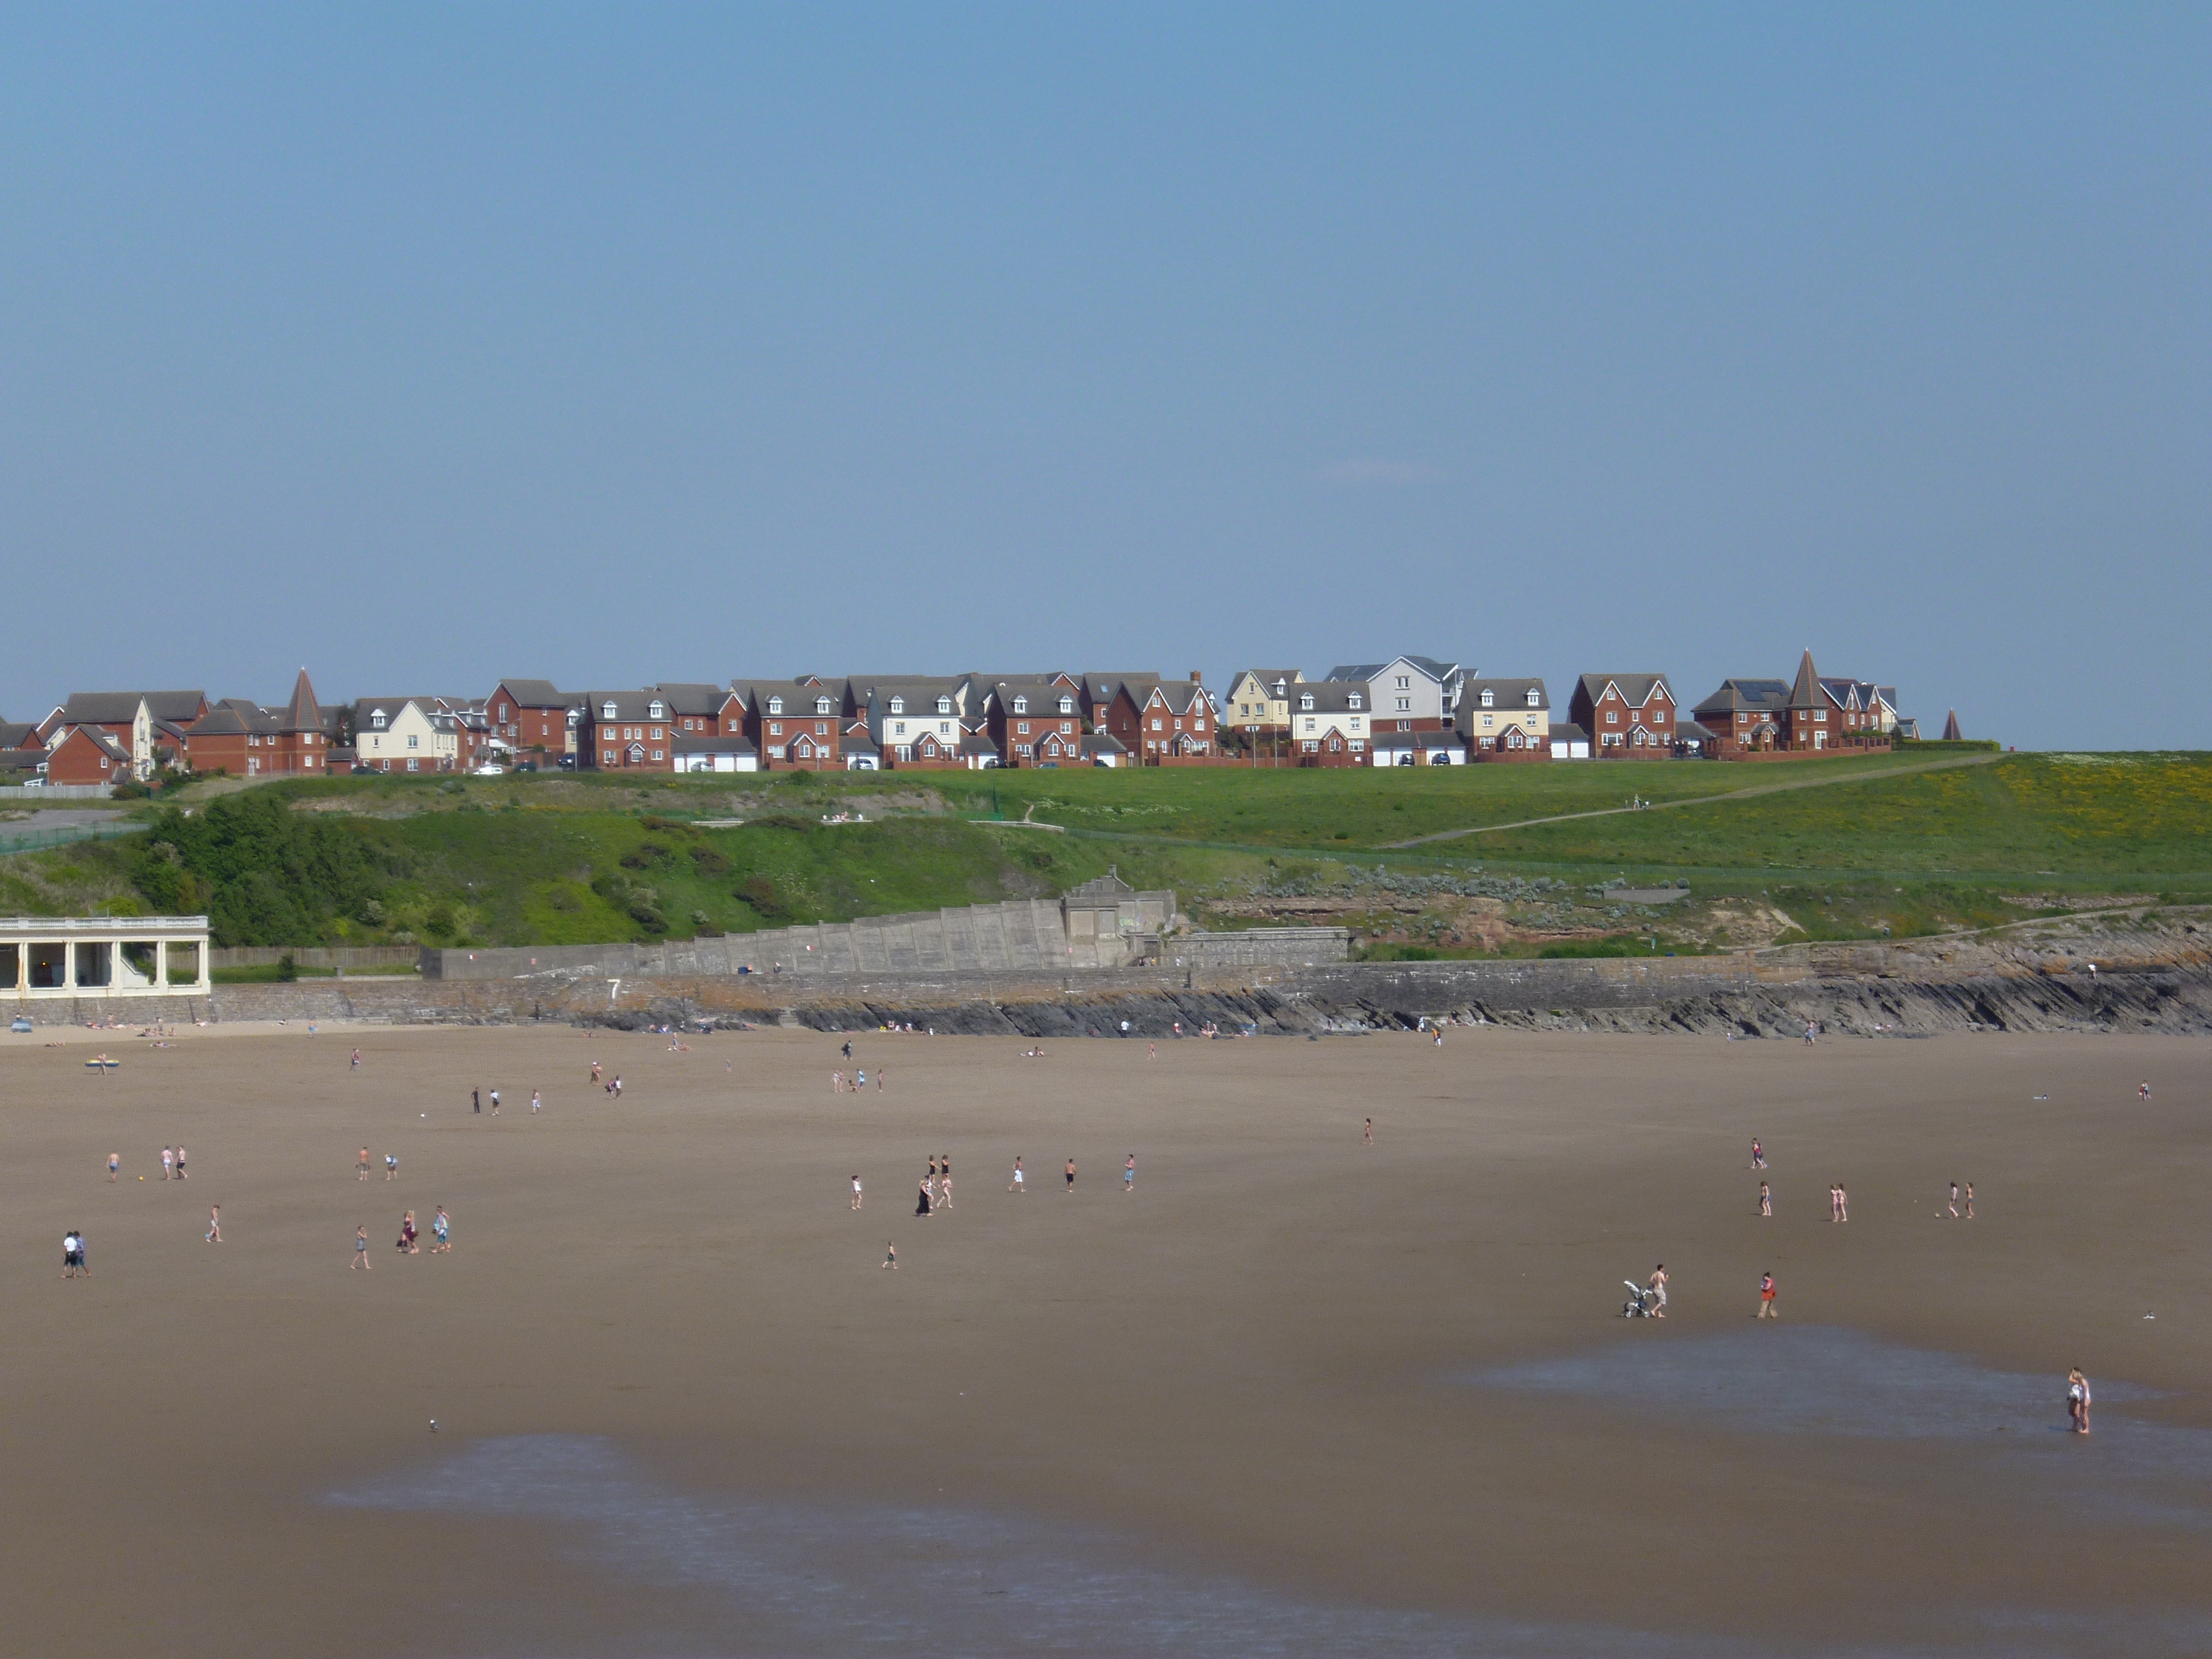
x=1750 y=719
x=133 y=720
x=530 y=719
x=1628 y=716
x=796 y=722
x=1158 y=720
x=86 y=754
x=625 y=732
x=1034 y=722
x=245 y=740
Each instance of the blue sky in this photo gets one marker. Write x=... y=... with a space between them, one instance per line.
x=423 y=345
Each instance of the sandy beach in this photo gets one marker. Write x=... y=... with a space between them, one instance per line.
x=1293 y=1394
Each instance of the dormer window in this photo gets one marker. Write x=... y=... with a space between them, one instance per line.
x=822 y=705
x=1067 y=705
x=606 y=711
x=1489 y=697
x=898 y=705
x=1352 y=701
x=775 y=705
x=376 y=719
x=945 y=705
x=1021 y=705
x=1305 y=701
x=1533 y=698
x=656 y=710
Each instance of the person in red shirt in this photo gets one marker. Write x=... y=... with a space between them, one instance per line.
x=1766 y=1297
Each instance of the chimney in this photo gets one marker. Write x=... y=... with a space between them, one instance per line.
x=1197 y=678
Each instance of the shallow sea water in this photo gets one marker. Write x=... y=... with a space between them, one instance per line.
x=943 y=1581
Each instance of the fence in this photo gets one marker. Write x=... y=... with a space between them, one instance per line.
x=315 y=955
x=37 y=792
x=13 y=840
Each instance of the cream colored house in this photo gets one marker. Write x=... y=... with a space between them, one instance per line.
x=1508 y=714
x=404 y=734
x=1259 y=701
x=1331 y=719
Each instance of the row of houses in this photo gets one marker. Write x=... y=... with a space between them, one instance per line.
x=1412 y=710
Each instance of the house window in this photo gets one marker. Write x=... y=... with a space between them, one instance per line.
x=1021 y=705
x=1488 y=696
x=1305 y=701
x=1352 y=701
x=898 y=705
x=775 y=751
x=1066 y=726
x=376 y=720
x=656 y=734
x=1023 y=727
x=945 y=705
x=657 y=755
x=898 y=727
x=414 y=765
x=822 y=705
x=1533 y=699
x=606 y=711
x=1355 y=722
x=821 y=731
x=1613 y=717
x=776 y=728
x=1405 y=702
x=1820 y=714
x=905 y=752
x=413 y=742
x=1156 y=725
x=1067 y=705
x=606 y=757
x=656 y=710
x=1311 y=725
x=1308 y=747
x=775 y=705
x=944 y=728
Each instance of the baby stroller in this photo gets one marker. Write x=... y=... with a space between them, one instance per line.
x=1642 y=1302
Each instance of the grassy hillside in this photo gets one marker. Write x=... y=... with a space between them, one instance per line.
x=1868 y=849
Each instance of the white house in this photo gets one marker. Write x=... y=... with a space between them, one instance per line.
x=1409 y=693
x=404 y=735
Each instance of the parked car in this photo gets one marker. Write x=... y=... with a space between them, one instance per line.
x=568 y=762
x=488 y=770
x=526 y=766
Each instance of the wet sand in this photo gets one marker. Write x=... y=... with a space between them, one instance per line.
x=1295 y=1395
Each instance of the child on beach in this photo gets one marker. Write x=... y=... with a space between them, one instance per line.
x=856 y=1192
x=1766 y=1297
x=2077 y=1399
x=1757 y=1154
x=391 y=1166
x=1954 y=1201
x=1129 y=1175
x=215 y=1223
x=1765 y=1202
x=115 y=1163
x=1016 y=1184
x=1071 y=1176
x=440 y=1228
x=891 y=1255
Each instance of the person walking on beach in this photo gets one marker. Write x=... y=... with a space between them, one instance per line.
x=1151 y=1051
x=1657 y=1286
x=891 y=1255
x=73 y=1254
x=1954 y=1201
x=168 y=1162
x=943 y=1174
x=361 y=1248
x=2077 y=1399
x=1812 y=1030
x=391 y=1166
x=595 y=1070
x=180 y=1160
x=1367 y=1133
x=2143 y=1093
x=407 y=1244
x=215 y=1223
x=440 y=1230
x=360 y=1165
x=1766 y=1297
x=861 y=1075
x=1835 y=1202
x=354 y=1064
x=115 y=1163
x=879 y=1078
x=921 y=1199
x=1071 y=1176
x=1129 y=1175
x=1765 y=1202
x=836 y=1083
x=856 y=1192
x=534 y=1103
x=1843 y=1203
x=1970 y=1200
x=1757 y=1154
x=495 y=1103
x=1017 y=1184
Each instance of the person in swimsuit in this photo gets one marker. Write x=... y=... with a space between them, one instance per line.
x=1757 y=1154
x=891 y=1255
x=1843 y=1203
x=2077 y=1399
x=1970 y=1200
x=1071 y=1176
x=1765 y=1202
x=1017 y=1185
x=879 y=1077
x=361 y=1248
x=933 y=1171
x=360 y=1165
x=856 y=1192
x=1367 y=1135
x=1129 y=1175
x=943 y=1173
x=2144 y=1091
x=215 y=1223
x=440 y=1228
x=595 y=1070
x=168 y=1162
x=1766 y=1297
x=180 y=1160
x=1835 y=1201
x=1954 y=1201
x=836 y=1083
x=115 y=1163
x=1657 y=1283
x=921 y=1199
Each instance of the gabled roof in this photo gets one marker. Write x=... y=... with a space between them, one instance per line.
x=1177 y=696
x=99 y=739
x=1506 y=694
x=535 y=694
x=1268 y=677
x=974 y=743
x=1101 y=688
x=1104 y=743
x=798 y=695
x=1438 y=671
x=1454 y=739
x=181 y=706
x=628 y=705
x=15 y=735
x=1043 y=697
x=1635 y=689
x=693 y=699
x=104 y=708
x=223 y=720
x=1332 y=697
x=1568 y=732
x=1744 y=697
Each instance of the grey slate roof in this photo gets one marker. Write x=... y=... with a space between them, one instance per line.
x=693 y=699
x=1331 y=696
x=1746 y=697
x=1508 y=693
x=17 y=735
x=536 y=694
x=1635 y=689
x=102 y=707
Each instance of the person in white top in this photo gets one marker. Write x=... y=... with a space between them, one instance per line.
x=1018 y=1185
x=856 y=1192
